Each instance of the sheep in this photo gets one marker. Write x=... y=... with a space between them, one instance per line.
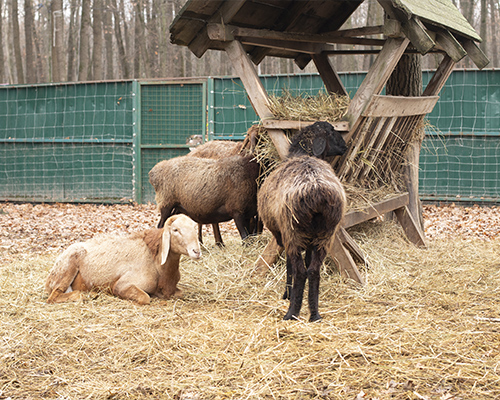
x=208 y=190
x=133 y=267
x=302 y=203
x=214 y=149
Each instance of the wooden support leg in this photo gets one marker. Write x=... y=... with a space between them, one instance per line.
x=268 y=257
x=344 y=260
x=352 y=246
x=411 y=229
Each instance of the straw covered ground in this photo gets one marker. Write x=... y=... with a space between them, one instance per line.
x=425 y=326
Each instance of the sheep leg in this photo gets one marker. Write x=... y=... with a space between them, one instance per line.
x=313 y=275
x=60 y=280
x=242 y=226
x=299 y=282
x=124 y=290
x=217 y=235
x=289 y=272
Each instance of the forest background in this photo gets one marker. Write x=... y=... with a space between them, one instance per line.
x=82 y=40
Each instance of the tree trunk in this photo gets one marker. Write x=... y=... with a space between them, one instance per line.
x=57 y=26
x=3 y=78
x=97 y=60
x=28 y=39
x=85 y=30
x=406 y=80
x=16 y=41
x=494 y=41
x=71 y=73
x=119 y=42
x=108 y=41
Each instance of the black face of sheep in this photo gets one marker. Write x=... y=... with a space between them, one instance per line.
x=302 y=203
x=319 y=140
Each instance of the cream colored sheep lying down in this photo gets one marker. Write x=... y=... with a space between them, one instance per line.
x=133 y=267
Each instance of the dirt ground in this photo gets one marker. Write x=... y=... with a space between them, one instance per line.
x=52 y=227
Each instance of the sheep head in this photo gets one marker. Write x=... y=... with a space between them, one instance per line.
x=320 y=140
x=180 y=236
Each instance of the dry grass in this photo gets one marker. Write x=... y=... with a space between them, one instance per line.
x=425 y=326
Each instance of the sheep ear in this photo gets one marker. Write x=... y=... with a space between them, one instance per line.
x=319 y=146
x=165 y=244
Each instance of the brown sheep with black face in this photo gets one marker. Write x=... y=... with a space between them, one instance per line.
x=302 y=203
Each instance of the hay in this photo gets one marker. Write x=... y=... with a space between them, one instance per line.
x=322 y=107
x=425 y=326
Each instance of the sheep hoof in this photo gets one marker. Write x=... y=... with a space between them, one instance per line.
x=286 y=295
x=289 y=316
x=315 y=318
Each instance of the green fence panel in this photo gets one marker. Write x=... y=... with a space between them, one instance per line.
x=66 y=142
x=170 y=112
x=469 y=105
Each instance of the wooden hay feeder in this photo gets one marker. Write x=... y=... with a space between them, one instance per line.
x=306 y=30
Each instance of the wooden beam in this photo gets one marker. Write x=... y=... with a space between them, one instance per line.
x=377 y=77
x=352 y=246
x=451 y=45
x=341 y=126
x=440 y=77
x=224 y=15
x=417 y=33
x=345 y=262
x=414 y=234
x=256 y=93
x=399 y=106
x=330 y=77
x=476 y=54
x=373 y=211
x=217 y=31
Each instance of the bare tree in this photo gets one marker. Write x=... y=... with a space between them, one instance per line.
x=57 y=41
x=108 y=39
x=71 y=75
x=28 y=42
x=97 y=60
x=16 y=41
x=2 y=56
x=85 y=32
x=123 y=61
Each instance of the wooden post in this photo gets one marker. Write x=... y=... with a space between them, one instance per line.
x=257 y=94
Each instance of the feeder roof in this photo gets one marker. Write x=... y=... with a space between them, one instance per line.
x=192 y=25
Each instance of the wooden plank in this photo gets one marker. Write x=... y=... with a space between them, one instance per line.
x=417 y=33
x=344 y=261
x=352 y=246
x=268 y=257
x=377 y=76
x=411 y=229
x=476 y=54
x=224 y=15
x=330 y=77
x=367 y=154
x=376 y=210
x=450 y=45
x=257 y=95
x=342 y=126
x=440 y=77
x=379 y=145
x=217 y=31
x=399 y=106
